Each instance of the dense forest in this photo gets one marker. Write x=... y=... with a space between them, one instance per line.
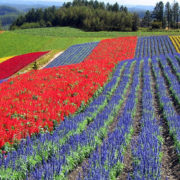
x=97 y=16
x=83 y=14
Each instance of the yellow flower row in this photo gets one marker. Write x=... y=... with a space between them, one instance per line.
x=176 y=42
x=5 y=58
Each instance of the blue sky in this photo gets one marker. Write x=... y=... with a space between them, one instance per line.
x=123 y=2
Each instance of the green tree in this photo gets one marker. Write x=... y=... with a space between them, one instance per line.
x=135 y=22
x=147 y=19
x=158 y=12
x=168 y=14
x=175 y=13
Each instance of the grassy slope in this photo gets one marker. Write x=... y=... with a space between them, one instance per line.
x=59 y=38
x=72 y=32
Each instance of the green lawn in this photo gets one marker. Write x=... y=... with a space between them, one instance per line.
x=72 y=32
x=60 y=38
x=13 y=43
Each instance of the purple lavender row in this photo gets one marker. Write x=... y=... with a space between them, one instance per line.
x=33 y=149
x=177 y=56
x=74 y=54
x=174 y=66
x=147 y=150
x=79 y=146
x=107 y=162
x=171 y=78
x=170 y=114
x=153 y=46
x=174 y=61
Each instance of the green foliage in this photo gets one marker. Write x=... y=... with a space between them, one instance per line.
x=146 y=20
x=156 y=25
x=35 y=67
x=90 y=16
x=135 y=22
x=30 y=25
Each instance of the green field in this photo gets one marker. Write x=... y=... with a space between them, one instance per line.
x=60 y=38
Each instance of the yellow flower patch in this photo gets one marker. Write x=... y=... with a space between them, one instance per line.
x=5 y=58
x=176 y=42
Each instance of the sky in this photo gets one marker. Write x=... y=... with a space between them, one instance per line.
x=123 y=2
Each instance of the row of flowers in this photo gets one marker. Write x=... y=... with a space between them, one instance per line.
x=73 y=55
x=35 y=100
x=14 y=64
x=176 y=42
x=154 y=46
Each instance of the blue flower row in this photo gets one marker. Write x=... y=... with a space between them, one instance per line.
x=171 y=78
x=170 y=114
x=147 y=150
x=154 y=46
x=107 y=162
x=73 y=55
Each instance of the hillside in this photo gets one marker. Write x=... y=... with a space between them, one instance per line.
x=8 y=15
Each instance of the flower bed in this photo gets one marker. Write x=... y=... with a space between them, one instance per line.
x=36 y=100
x=12 y=65
x=176 y=42
x=73 y=55
x=154 y=46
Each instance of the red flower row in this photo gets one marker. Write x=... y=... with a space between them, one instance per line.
x=13 y=65
x=32 y=101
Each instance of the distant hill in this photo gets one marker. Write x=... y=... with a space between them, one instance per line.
x=29 y=4
x=8 y=15
x=4 y=10
x=141 y=10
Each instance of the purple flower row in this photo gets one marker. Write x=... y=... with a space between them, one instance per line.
x=73 y=55
x=154 y=46
x=107 y=162
x=147 y=150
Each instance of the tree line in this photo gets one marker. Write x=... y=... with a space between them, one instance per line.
x=163 y=16
x=87 y=15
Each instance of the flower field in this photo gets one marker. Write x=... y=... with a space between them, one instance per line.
x=14 y=64
x=73 y=55
x=113 y=115
x=176 y=42
x=154 y=46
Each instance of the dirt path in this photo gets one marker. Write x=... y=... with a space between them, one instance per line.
x=55 y=56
